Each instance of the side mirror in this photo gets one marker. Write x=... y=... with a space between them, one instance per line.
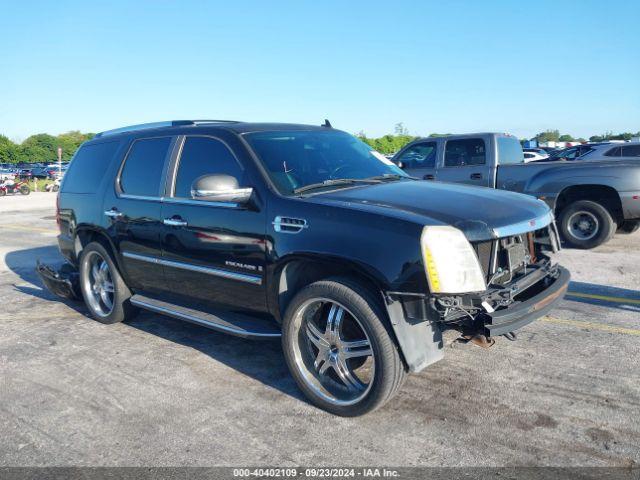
x=401 y=165
x=219 y=188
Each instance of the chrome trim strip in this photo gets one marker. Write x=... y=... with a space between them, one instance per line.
x=202 y=203
x=142 y=258
x=140 y=197
x=524 y=227
x=201 y=321
x=280 y=223
x=216 y=272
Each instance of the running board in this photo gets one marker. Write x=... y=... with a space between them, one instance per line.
x=226 y=322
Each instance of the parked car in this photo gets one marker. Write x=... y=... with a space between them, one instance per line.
x=541 y=152
x=607 y=151
x=268 y=230
x=549 y=150
x=591 y=201
x=534 y=157
x=6 y=174
x=575 y=152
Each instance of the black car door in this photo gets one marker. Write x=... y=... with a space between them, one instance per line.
x=133 y=208
x=213 y=251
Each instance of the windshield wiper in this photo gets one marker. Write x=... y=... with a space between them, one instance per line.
x=335 y=181
x=391 y=176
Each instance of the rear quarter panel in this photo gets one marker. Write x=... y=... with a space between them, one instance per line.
x=81 y=210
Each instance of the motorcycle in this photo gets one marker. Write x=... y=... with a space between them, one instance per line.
x=9 y=186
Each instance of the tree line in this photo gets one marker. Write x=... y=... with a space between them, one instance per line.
x=42 y=148
x=391 y=143
x=555 y=136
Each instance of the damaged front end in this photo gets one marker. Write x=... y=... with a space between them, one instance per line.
x=522 y=285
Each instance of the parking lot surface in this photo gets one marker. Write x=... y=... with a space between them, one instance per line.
x=157 y=391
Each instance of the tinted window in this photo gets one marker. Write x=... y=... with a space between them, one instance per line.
x=570 y=153
x=459 y=153
x=294 y=159
x=584 y=151
x=422 y=155
x=631 y=151
x=510 y=151
x=528 y=155
x=613 y=152
x=142 y=172
x=88 y=167
x=204 y=156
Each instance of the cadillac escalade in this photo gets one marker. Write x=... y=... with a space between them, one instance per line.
x=302 y=233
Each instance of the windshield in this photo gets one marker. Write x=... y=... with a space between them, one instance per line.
x=295 y=159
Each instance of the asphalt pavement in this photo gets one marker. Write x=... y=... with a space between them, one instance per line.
x=157 y=391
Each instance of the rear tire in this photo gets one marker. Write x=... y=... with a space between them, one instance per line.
x=103 y=289
x=586 y=224
x=629 y=226
x=3 y=192
x=348 y=370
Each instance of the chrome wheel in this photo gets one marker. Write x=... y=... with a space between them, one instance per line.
x=583 y=225
x=333 y=352
x=97 y=284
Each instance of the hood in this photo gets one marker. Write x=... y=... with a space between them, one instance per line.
x=481 y=213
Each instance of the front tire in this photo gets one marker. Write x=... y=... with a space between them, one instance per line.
x=586 y=224
x=24 y=190
x=338 y=349
x=103 y=289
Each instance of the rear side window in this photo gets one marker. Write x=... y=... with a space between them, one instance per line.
x=88 y=167
x=142 y=172
x=204 y=156
x=510 y=151
x=613 y=152
x=421 y=155
x=470 y=151
x=631 y=151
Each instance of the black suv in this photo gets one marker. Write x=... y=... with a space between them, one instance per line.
x=269 y=230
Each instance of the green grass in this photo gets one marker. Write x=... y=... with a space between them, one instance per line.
x=41 y=184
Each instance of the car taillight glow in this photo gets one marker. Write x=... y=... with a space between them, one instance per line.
x=58 y=211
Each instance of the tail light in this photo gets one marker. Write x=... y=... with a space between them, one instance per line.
x=58 y=211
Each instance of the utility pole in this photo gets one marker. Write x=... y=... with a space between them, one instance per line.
x=59 y=162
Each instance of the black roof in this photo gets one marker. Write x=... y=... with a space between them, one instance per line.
x=245 y=127
x=235 y=126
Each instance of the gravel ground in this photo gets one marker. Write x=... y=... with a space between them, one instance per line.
x=156 y=391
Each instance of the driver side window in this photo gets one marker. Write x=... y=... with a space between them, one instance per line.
x=421 y=155
x=205 y=156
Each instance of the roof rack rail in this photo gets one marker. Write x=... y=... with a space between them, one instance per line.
x=169 y=123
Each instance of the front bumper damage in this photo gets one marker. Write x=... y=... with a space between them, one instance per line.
x=418 y=320
x=501 y=310
x=63 y=282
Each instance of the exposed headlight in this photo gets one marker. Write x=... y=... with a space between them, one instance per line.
x=450 y=262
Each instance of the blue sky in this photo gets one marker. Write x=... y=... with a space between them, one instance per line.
x=454 y=66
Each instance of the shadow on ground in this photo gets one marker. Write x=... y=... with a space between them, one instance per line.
x=621 y=294
x=262 y=360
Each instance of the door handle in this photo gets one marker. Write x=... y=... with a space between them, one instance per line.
x=429 y=177
x=113 y=213
x=174 y=222
x=476 y=176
